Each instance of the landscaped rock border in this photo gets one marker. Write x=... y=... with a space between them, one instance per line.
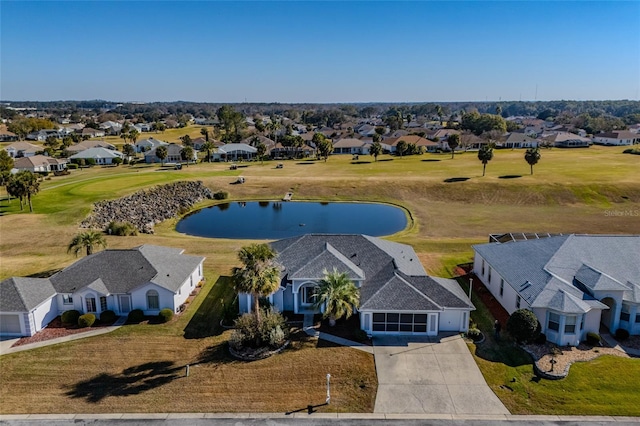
x=258 y=354
x=147 y=207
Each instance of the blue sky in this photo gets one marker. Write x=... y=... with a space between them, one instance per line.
x=298 y=51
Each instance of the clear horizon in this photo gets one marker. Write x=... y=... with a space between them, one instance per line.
x=320 y=52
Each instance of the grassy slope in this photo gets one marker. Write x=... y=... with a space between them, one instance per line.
x=570 y=192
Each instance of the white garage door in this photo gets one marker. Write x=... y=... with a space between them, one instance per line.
x=10 y=324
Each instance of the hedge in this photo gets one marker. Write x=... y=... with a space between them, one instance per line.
x=86 y=320
x=70 y=317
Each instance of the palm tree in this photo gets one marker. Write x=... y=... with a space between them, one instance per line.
x=338 y=295
x=453 y=141
x=260 y=275
x=532 y=156
x=133 y=136
x=261 y=151
x=23 y=184
x=161 y=153
x=485 y=155
x=128 y=150
x=208 y=146
x=186 y=154
x=86 y=240
x=376 y=148
x=401 y=147
x=204 y=132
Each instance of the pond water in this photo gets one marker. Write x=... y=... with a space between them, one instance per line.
x=275 y=220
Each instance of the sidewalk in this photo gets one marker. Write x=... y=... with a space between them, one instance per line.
x=307 y=326
x=616 y=345
x=89 y=333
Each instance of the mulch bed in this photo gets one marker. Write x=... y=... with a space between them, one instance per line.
x=490 y=302
x=56 y=329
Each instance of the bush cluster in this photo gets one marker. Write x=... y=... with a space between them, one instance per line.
x=474 y=334
x=123 y=229
x=541 y=339
x=86 y=320
x=135 y=316
x=523 y=325
x=593 y=339
x=107 y=317
x=622 y=334
x=72 y=166
x=165 y=315
x=220 y=195
x=70 y=317
x=272 y=330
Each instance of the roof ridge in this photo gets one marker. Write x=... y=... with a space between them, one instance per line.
x=416 y=289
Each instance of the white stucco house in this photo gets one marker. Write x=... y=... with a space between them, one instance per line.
x=22 y=149
x=148 y=277
x=396 y=294
x=617 y=137
x=234 y=151
x=102 y=156
x=148 y=144
x=573 y=283
x=39 y=164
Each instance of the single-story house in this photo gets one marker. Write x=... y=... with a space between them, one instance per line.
x=92 y=133
x=173 y=154
x=7 y=136
x=616 y=137
x=234 y=151
x=351 y=146
x=148 y=277
x=111 y=127
x=22 y=149
x=429 y=146
x=101 y=156
x=396 y=294
x=519 y=140
x=567 y=140
x=573 y=283
x=148 y=144
x=42 y=135
x=84 y=145
x=39 y=164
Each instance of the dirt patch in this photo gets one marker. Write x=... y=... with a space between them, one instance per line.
x=56 y=329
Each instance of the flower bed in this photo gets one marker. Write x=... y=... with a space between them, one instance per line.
x=56 y=329
x=255 y=354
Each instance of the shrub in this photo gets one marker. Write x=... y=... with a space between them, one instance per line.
x=135 y=316
x=523 y=325
x=360 y=335
x=122 y=229
x=541 y=339
x=70 y=317
x=107 y=317
x=622 y=334
x=165 y=315
x=474 y=334
x=593 y=339
x=221 y=195
x=116 y=161
x=90 y=161
x=86 y=320
x=72 y=166
x=272 y=330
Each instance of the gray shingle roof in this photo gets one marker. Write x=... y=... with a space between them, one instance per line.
x=120 y=271
x=394 y=279
x=24 y=294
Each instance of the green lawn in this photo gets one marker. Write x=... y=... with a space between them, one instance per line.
x=571 y=191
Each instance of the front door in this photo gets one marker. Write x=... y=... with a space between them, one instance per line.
x=432 y=325
x=125 y=303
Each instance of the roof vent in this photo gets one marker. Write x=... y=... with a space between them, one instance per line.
x=525 y=286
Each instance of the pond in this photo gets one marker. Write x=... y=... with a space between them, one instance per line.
x=275 y=220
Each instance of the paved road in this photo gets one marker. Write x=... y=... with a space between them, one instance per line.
x=432 y=376
x=337 y=419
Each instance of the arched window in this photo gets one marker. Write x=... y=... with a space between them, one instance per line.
x=153 y=301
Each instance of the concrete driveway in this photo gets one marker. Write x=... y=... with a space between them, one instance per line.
x=432 y=375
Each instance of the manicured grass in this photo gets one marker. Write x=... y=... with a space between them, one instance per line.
x=571 y=191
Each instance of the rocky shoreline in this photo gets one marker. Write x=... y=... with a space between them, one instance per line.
x=147 y=207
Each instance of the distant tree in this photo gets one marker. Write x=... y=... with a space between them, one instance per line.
x=87 y=241
x=23 y=184
x=261 y=151
x=380 y=131
x=498 y=110
x=186 y=140
x=401 y=147
x=159 y=126
x=273 y=127
x=325 y=148
x=162 y=153
x=128 y=150
x=485 y=154
x=124 y=136
x=186 y=154
x=6 y=164
x=532 y=156
x=453 y=141
x=439 y=113
x=133 y=136
x=205 y=132
x=337 y=295
x=208 y=147
x=52 y=142
x=375 y=150
x=67 y=141
x=259 y=125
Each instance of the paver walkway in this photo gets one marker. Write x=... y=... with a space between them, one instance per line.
x=431 y=376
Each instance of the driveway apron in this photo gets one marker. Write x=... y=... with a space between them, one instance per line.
x=432 y=375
